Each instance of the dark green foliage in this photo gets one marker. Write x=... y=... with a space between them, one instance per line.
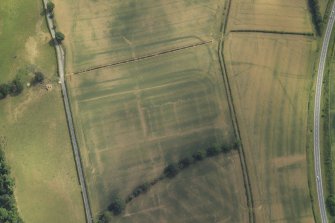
x=38 y=78
x=199 y=155
x=59 y=37
x=8 y=210
x=117 y=205
x=16 y=87
x=184 y=163
x=213 y=151
x=226 y=148
x=105 y=217
x=171 y=170
x=331 y=204
x=314 y=8
x=4 y=90
x=50 y=6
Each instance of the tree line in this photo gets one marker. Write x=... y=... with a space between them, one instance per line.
x=314 y=9
x=15 y=87
x=8 y=209
x=118 y=204
x=59 y=37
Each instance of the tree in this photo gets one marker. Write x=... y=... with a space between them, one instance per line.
x=171 y=170
x=199 y=155
x=117 y=205
x=225 y=148
x=50 y=7
x=212 y=151
x=39 y=78
x=105 y=217
x=184 y=163
x=331 y=204
x=4 y=90
x=16 y=87
x=59 y=37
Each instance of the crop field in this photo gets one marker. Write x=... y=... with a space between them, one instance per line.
x=270 y=76
x=270 y=15
x=135 y=118
x=38 y=149
x=103 y=32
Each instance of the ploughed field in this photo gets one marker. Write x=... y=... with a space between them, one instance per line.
x=132 y=119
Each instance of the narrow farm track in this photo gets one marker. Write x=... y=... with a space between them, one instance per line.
x=244 y=167
x=60 y=61
x=135 y=59
x=317 y=110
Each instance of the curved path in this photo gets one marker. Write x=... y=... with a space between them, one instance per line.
x=60 y=61
x=317 y=110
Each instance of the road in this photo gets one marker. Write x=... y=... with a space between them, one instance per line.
x=61 y=71
x=317 y=110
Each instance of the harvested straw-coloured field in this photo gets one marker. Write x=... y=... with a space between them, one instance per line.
x=135 y=118
x=270 y=76
x=270 y=15
x=102 y=32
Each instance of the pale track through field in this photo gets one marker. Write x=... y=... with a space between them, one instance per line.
x=60 y=62
x=135 y=59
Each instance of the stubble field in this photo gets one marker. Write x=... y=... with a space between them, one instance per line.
x=270 y=15
x=270 y=77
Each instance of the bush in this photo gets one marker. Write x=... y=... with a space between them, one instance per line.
x=184 y=163
x=38 y=78
x=105 y=217
x=117 y=205
x=199 y=155
x=314 y=8
x=50 y=6
x=140 y=189
x=16 y=87
x=213 y=151
x=330 y=202
x=4 y=90
x=59 y=37
x=226 y=148
x=171 y=170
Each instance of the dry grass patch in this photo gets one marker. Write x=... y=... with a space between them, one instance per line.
x=270 y=76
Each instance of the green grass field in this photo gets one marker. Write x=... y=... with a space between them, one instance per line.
x=38 y=151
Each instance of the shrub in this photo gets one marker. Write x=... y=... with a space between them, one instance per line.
x=117 y=205
x=225 y=148
x=213 y=151
x=50 y=6
x=199 y=155
x=184 y=163
x=38 y=78
x=16 y=87
x=171 y=170
x=330 y=202
x=59 y=37
x=4 y=90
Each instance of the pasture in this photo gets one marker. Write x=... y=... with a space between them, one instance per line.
x=38 y=149
x=134 y=119
x=270 y=15
x=270 y=77
x=102 y=32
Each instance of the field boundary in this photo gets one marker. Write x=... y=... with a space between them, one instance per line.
x=135 y=59
x=246 y=178
x=271 y=32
